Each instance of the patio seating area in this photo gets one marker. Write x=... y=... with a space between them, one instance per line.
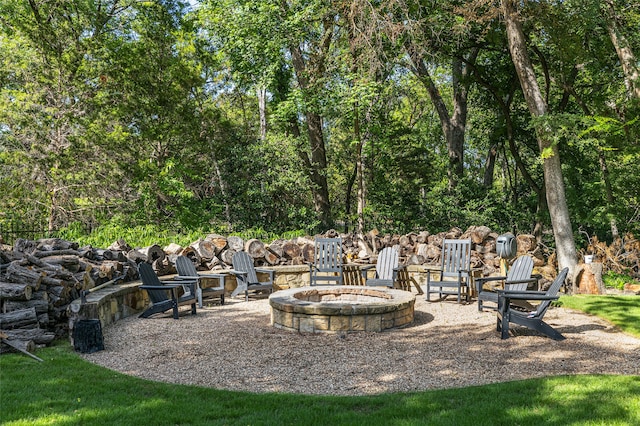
x=449 y=345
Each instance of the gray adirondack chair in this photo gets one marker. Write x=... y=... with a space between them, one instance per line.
x=247 y=277
x=455 y=270
x=518 y=278
x=533 y=320
x=187 y=271
x=327 y=262
x=386 y=269
x=164 y=294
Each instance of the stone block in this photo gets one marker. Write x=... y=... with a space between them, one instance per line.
x=359 y=322
x=340 y=323
x=373 y=323
x=306 y=325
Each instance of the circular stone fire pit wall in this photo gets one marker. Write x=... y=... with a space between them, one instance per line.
x=341 y=309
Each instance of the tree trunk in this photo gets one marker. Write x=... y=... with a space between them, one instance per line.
x=489 y=166
x=628 y=61
x=552 y=167
x=262 y=107
x=609 y=192
x=316 y=164
x=454 y=124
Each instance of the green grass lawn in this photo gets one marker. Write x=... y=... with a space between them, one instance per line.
x=66 y=390
x=623 y=311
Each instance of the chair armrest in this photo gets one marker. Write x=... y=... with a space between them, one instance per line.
x=510 y=293
x=485 y=279
x=528 y=280
x=185 y=278
x=170 y=287
x=433 y=271
x=180 y=281
x=367 y=267
x=197 y=277
x=271 y=272
x=234 y=272
x=526 y=295
x=159 y=287
x=398 y=269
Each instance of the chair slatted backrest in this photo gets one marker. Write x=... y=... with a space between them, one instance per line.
x=328 y=254
x=456 y=257
x=149 y=277
x=520 y=270
x=244 y=263
x=185 y=267
x=387 y=262
x=553 y=290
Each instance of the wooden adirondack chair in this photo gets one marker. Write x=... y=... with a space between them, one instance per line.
x=187 y=271
x=247 y=277
x=386 y=269
x=533 y=319
x=327 y=261
x=518 y=278
x=455 y=270
x=164 y=294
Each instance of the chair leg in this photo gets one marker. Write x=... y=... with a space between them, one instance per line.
x=503 y=317
x=504 y=327
x=547 y=330
x=541 y=327
x=199 y=296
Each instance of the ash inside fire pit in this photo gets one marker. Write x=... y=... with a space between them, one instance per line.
x=341 y=309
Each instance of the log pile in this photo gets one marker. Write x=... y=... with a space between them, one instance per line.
x=621 y=256
x=38 y=279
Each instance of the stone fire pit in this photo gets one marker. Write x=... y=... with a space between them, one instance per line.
x=330 y=309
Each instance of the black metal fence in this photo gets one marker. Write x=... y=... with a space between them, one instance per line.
x=11 y=231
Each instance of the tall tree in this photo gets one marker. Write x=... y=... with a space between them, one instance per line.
x=628 y=60
x=552 y=166
x=257 y=36
x=48 y=103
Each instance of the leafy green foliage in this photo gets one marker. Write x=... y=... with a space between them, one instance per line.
x=145 y=114
x=617 y=280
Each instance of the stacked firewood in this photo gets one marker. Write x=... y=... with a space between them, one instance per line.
x=214 y=252
x=38 y=281
x=621 y=256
